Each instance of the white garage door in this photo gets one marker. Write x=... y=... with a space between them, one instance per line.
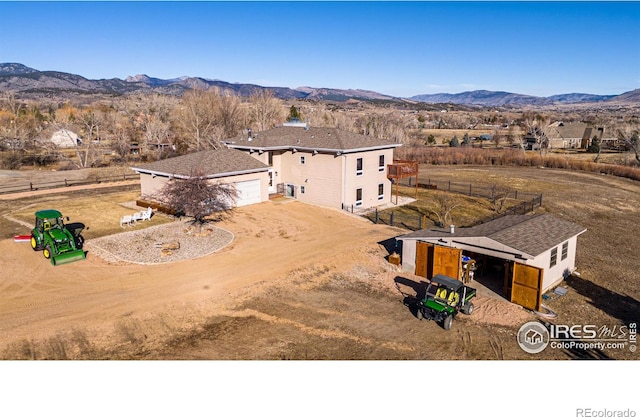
x=248 y=192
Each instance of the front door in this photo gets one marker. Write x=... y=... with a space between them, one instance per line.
x=290 y=190
x=272 y=186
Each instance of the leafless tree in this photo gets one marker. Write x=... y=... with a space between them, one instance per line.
x=69 y=119
x=197 y=197
x=629 y=134
x=536 y=127
x=265 y=110
x=499 y=196
x=206 y=117
x=442 y=204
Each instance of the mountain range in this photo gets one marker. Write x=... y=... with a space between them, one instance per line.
x=31 y=83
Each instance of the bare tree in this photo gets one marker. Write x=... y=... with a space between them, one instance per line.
x=536 y=127
x=629 y=134
x=197 y=197
x=207 y=117
x=265 y=109
x=442 y=206
x=69 y=119
x=499 y=196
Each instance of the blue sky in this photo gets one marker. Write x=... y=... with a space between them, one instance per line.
x=396 y=48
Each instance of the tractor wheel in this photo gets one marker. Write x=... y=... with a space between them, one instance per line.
x=467 y=309
x=419 y=314
x=47 y=252
x=34 y=243
x=447 y=322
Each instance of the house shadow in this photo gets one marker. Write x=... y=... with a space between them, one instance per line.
x=622 y=307
x=413 y=292
x=392 y=246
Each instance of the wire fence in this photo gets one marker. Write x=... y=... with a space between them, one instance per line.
x=34 y=186
x=527 y=202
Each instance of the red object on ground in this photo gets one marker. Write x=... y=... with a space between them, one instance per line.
x=22 y=238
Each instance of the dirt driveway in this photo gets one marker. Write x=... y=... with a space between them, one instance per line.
x=297 y=282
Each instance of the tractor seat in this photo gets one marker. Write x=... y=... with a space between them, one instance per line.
x=453 y=299
x=441 y=293
x=46 y=226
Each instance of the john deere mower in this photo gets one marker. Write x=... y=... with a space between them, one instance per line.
x=56 y=241
x=445 y=297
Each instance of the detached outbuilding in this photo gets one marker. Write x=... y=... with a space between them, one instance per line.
x=249 y=176
x=520 y=256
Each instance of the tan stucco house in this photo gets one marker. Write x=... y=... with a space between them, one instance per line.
x=249 y=176
x=321 y=165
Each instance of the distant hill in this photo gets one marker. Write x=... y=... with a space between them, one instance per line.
x=484 y=98
x=31 y=83
x=501 y=98
x=578 y=98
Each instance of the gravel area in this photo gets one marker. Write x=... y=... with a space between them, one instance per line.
x=171 y=242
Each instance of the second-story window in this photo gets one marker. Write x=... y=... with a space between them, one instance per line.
x=381 y=163
x=359 y=166
x=303 y=160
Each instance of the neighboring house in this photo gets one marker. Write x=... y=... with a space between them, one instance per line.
x=521 y=256
x=249 y=176
x=65 y=138
x=323 y=166
x=573 y=135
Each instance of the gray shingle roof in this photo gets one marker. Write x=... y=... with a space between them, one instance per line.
x=532 y=235
x=318 y=138
x=212 y=163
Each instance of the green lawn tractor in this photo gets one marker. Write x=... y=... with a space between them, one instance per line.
x=59 y=243
x=445 y=297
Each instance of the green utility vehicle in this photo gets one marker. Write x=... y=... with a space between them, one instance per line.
x=56 y=241
x=445 y=297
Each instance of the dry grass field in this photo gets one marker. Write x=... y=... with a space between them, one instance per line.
x=303 y=282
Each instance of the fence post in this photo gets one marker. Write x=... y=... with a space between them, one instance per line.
x=65 y=183
x=516 y=194
x=469 y=189
x=31 y=186
x=449 y=186
x=377 y=218
x=391 y=219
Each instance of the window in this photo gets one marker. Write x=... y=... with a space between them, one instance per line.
x=380 y=191
x=359 y=166
x=359 y=197
x=554 y=257
x=381 y=163
x=302 y=189
x=302 y=160
x=565 y=250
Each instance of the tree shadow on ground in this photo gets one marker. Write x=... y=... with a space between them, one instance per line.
x=576 y=352
x=412 y=292
x=622 y=307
